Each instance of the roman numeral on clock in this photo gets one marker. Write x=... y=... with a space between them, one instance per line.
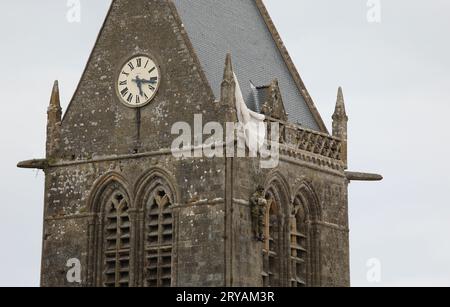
x=151 y=87
x=124 y=92
x=131 y=65
x=130 y=97
x=139 y=62
x=138 y=100
x=151 y=70
x=123 y=83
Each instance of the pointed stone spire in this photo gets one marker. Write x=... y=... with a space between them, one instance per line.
x=54 y=100
x=340 y=120
x=228 y=71
x=339 y=112
x=54 y=114
x=228 y=91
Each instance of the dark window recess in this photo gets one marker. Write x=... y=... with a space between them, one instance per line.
x=298 y=253
x=158 y=240
x=117 y=242
x=271 y=254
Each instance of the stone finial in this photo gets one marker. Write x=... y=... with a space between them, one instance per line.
x=340 y=120
x=54 y=100
x=339 y=111
x=54 y=114
x=228 y=74
x=274 y=106
x=228 y=91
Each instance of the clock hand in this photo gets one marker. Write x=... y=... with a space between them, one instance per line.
x=138 y=82
x=151 y=81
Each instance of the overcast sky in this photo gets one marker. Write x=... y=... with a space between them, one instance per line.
x=396 y=80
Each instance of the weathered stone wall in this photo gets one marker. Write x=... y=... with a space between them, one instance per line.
x=199 y=215
x=330 y=188
x=96 y=123
x=200 y=218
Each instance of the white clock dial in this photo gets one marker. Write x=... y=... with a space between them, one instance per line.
x=138 y=81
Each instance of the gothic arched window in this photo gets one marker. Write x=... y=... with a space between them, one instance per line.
x=272 y=242
x=116 y=241
x=158 y=238
x=299 y=242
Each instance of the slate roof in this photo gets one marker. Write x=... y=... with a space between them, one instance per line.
x=216 y=27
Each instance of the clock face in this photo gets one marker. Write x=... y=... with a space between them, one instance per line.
x=138 y=81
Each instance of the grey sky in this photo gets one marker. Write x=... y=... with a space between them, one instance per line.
x=396 y=80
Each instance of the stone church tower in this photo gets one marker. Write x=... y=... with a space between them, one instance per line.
x=133 y=214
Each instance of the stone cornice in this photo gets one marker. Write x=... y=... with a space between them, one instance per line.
x=288 y=153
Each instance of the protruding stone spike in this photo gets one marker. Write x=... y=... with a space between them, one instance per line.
x=358 y=176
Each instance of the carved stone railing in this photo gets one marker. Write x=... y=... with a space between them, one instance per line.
x=300 y=138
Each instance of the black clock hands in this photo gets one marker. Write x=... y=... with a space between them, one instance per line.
x=151 y=81
x=140 y=81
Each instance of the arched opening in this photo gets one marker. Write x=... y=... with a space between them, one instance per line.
x=272 y=241
x=304 y=238
x=158 y=238
x=116 y=241
x=156 y=197
x=299 y=239
x=110 y=254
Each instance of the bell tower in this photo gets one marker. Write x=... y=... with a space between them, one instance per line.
x=132 y=213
